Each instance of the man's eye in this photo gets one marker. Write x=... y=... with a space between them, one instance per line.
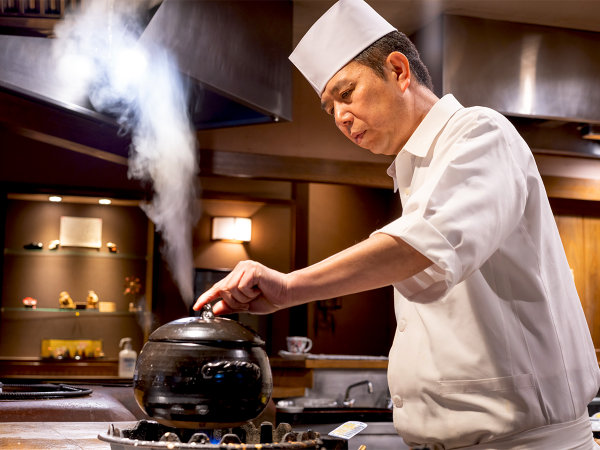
x=344 y=95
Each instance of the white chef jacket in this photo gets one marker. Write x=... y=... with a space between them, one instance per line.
x=491 y=340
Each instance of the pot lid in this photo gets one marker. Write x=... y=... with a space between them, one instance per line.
x=206 y=329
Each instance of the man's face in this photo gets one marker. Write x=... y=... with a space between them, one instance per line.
x=371 y=111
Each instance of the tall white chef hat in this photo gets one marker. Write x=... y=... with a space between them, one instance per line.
x=345 y=30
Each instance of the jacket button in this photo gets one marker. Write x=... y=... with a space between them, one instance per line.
x=397 y=400
x=402 y=324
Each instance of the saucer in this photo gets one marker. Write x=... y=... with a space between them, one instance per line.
x=289 y=406
x=291 y=409
x=289 y=355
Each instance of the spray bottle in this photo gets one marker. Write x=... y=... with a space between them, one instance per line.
x=127 y=358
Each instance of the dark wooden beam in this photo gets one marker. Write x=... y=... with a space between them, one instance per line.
x=291 y=168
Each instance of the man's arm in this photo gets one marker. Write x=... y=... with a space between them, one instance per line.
x=376 y=262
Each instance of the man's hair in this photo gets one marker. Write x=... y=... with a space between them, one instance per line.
x=374 y=56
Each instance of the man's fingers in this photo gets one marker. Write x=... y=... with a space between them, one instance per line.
x=236 y=290
x=235 y=300
x=222 y=308
x=206 y=297
x=248 y=288
x=232 y=296
x=262 y=306
x=248 y=285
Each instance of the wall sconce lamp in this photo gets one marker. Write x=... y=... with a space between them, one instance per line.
x=231 y=229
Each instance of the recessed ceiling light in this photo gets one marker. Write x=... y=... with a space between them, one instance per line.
x=105 y=201
x=55 y=198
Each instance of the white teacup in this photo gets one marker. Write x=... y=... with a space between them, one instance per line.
x=298 y=344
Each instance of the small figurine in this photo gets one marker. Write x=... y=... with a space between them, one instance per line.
x=112 y=247
x=53 y=245
x=30 y=302
x=65 y=300
x=92 y=300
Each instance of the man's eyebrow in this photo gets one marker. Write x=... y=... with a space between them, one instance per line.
x=334 y=90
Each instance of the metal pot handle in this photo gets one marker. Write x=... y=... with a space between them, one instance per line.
x=212 y=369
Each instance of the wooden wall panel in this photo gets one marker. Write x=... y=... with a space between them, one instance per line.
x=339 y=217
x=580 y=236
x=572 y=236
x=591 y=295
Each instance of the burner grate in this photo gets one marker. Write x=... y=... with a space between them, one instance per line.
x=148 y=434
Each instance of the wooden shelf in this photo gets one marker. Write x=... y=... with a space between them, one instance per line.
x=73 y=253
x=43 y=368
x=74 y=312
x=329 y=363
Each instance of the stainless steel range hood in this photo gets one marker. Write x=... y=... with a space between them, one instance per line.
x=232 y=54
x=237 y=50
x=545 y=79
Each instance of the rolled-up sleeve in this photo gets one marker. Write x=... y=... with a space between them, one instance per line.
x=466 y=204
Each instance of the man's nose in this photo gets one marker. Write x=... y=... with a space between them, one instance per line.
x=343 y=118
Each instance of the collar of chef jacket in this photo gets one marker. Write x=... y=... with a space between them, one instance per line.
x=419 y=143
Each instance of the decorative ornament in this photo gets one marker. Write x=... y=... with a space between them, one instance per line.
x=92 y=300
x=30 y=303
x=65 y=301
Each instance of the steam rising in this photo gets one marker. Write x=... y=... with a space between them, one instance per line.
x=99 y=50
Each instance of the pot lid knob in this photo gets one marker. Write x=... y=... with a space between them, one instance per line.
x=207 y=312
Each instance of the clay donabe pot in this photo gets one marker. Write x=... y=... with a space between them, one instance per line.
x=203 y=372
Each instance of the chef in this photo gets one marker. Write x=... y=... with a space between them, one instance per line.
x=492 y=349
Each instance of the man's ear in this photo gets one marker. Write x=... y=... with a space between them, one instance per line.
x=398 y=63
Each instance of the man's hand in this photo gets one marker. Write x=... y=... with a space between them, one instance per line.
x=250 y=287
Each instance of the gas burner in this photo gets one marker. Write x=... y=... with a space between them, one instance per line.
x=148 y=434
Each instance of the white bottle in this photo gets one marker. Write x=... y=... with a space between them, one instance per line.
x=127 y=358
